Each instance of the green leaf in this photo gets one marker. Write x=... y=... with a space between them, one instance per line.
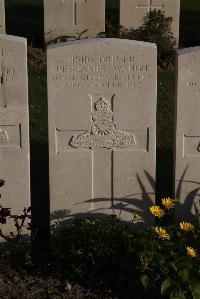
x=174 y=266
x=164 y=269
x=184 y=274
x=198 y=218
x=195 y=289
x=144 y=280
x=179 y=234
x=166 y=286
x=177 y=294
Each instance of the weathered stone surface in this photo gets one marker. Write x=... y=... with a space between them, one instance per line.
x=14 y=125
x=187 y=154
x=2 y=17
x=102 y=127
x=132 y=12
x=69 y=18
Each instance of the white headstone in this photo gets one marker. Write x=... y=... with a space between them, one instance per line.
x=102 y=127
x=187 y=154
x=14 y=125
x=2 y=17
x=132 y=12
x=69 y=18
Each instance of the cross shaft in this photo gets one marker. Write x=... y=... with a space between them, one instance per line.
x=150 y=6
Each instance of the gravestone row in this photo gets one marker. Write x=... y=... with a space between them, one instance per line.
x=70 y=18
x=102 y=127
x=86 y=18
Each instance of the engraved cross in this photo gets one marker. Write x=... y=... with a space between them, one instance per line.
x=150 y=6
x=75 y=12
x=102 y=139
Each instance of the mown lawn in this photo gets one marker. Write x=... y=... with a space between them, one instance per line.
x=165 y=132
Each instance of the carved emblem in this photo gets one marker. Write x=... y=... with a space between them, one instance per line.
x=3 y=136
x=104 y=132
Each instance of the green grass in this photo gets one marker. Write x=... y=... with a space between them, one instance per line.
x=38 y=104
x=165 y=132
x=112 y=4
x=165 y=108
x=39 y=147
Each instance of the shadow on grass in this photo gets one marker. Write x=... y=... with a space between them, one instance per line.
x=40 y=196
x=183 y=210
x=25 y=20
x=164 y=171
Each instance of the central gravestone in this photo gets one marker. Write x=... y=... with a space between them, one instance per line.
x=14 y=126
x=2 y=17
x=102 y=124
x=69 y=18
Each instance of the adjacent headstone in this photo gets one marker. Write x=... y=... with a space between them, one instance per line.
x=69 y=18
x=132 y=12
x=2 y=17
x=187 y=154
x=102 y=127
x=14 y=125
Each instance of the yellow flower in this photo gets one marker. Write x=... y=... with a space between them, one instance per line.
x=168 y=203
x=186 y=226
x=162 y=232
x=157 y=211
x=191 y=252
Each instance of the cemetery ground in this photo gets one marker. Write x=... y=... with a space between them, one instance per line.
x=93 y=259
x=97 y=258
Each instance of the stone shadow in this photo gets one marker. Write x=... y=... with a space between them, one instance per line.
x=40 y=196
x=183 y=210
x=135 y=206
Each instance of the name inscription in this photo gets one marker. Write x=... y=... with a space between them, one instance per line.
x=100 y=71
x=9 y=73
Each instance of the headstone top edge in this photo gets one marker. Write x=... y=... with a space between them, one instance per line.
x=103 y=41
x=72 y=0
x=186 y=51
x=177 y=1
x=13 y=38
